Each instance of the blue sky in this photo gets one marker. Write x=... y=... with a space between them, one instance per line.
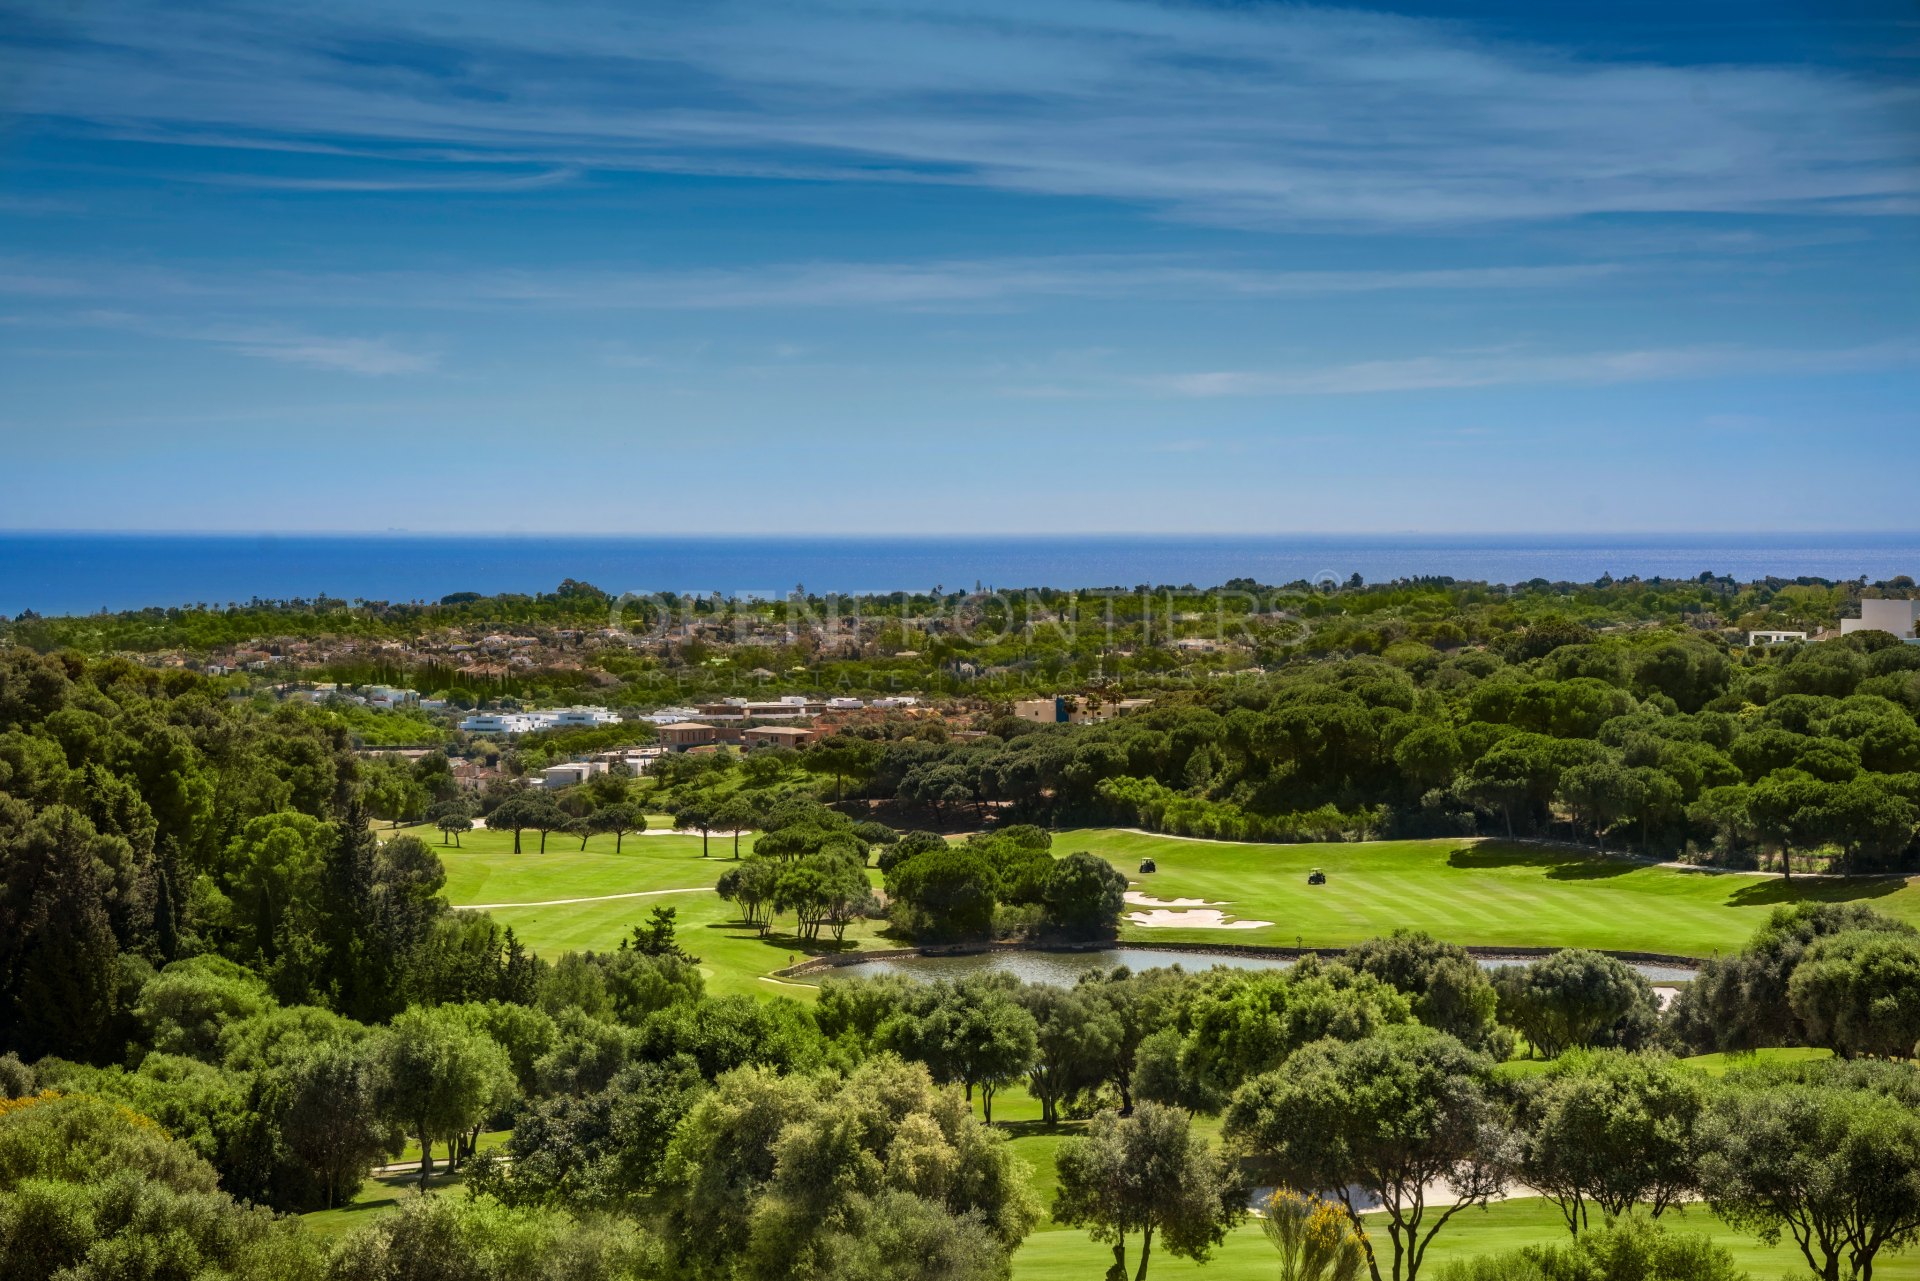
x=938 y=266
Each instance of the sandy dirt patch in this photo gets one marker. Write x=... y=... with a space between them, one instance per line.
x=1137 y=899
x=1193 y=919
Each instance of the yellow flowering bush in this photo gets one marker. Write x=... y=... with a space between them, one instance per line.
x=1317 y=1239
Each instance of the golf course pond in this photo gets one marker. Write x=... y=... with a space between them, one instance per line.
x=1065 y=968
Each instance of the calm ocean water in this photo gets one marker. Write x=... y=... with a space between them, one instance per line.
x=81 y=573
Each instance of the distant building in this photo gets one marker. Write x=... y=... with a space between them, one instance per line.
x=682 y=735
x=668 y=715
x=844 y=704
x=637 y=760
x=1065 y=709
x=1901 y=617
x=528 y=722
x=740 y=709
x=572 y=716
x=1774 y=638
x=893 y=701
x=569 y=773
x=774 y=736
x=502 y=723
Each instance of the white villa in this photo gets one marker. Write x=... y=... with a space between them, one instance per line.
x=527 y=722
x=1901 y=617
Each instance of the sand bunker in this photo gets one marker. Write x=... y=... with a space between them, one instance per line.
x=1137 y=899
x=1197 y=919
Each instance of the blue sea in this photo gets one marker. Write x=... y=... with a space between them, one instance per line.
x=83 y=573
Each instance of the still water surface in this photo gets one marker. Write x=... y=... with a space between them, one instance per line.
x=1065 y=968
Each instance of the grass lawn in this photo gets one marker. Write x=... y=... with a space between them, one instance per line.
x=383 y=1191
x=377 y=1199
x=667 y=869
x=1061 y=1254
x=1054 y=1253
x=1489 y=893
x=484 y=869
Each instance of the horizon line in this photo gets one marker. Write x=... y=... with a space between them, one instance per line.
x=972 y=536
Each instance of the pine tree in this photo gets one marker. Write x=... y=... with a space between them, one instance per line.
x=357 y=965
x=66 y=971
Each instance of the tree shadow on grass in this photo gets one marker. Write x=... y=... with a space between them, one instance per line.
x=1776 y=890
x=382 y=1192
x=778 y=941
x=1041 y=1129
x=1560 y=864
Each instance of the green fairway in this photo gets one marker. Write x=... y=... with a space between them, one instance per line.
x=1058 y=1254
x=1487 y=893
x=484 y=869
x=655 y=870
x=1054 y=1253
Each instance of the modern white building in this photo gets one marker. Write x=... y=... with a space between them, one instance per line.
x=528 y=722
x=637 y=760
x=1901 y=617
x=1774 y=638
x=492 y=723
x=740 y=709
x=584 y=716
x=845 y=704
x=671 y=715
x=896 y=700
x=570 y=772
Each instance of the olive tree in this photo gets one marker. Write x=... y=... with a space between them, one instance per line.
x=1835 y=1168
x=1147 y=1173
x=1381 y=1121
x=325 y=1099
x=1611 y=1128
x=1859 y=993
x=436 y=1076
x=1075 y=1035
x=1576 y=998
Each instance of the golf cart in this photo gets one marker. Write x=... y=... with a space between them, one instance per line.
x=1146 y=865
x=1316 y=877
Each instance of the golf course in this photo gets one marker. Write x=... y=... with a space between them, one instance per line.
x=1480 y=893
x=1488 y=893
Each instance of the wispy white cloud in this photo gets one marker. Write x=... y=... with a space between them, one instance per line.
x=1495 y=369
x=930 y=285
x=37 y=206
x=415 y=180
x=1252 y=115
x=283 y=344
x=371 y=356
